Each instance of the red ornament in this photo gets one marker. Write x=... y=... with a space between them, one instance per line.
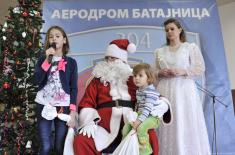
x=9 y=30
x=14 y=77
x=6 y=85
x=18 y=62
x=29 y=43
x=6 y=63
x=25 y=14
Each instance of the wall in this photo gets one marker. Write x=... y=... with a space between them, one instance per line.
x=4 y=6
x=227 y=20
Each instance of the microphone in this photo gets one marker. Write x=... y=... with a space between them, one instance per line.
x=52 y=45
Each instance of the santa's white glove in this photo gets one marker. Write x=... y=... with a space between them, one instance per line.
x=161 y=108
x=64 y=117
x=89 y=130
x=131 y=116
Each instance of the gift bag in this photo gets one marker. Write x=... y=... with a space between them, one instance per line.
x=129 y=145
x=49 y=112
x=68 y=145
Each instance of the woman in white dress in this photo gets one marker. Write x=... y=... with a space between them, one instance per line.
x=177 y=64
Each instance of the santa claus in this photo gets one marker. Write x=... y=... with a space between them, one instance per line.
x=108 y=98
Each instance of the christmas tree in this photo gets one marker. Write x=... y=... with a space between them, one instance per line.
x=20 y=47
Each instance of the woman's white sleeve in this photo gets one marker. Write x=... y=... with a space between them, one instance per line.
x=197 y=65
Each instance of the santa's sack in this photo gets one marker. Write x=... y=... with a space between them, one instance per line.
x=129 y=145
x=68 y=145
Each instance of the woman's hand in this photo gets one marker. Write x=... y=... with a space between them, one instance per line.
x=165 y=73
x=172 y=72
x=72 y=123
x=179 y=72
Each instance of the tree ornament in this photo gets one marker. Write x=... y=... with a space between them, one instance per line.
x=25 y=14
x=29 y=43
x=28 y=144
x=37 y=14
x=14 y=77
x=5 y=25
x=18 y=62
x=4 y=38
x=26 y=92
x=5 y=61
x=15 y=109
x=31 y=13
x=16 y=10
x=34 y=33
x=3 y=30
x=7 y=70
x=6 y=85
x=16 y=43
x=23 y=34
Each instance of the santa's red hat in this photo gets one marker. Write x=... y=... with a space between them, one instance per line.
x=119 y=49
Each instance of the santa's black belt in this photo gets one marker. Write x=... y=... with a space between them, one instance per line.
x=116 y=103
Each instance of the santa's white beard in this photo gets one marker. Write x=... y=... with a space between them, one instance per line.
x=116 y=73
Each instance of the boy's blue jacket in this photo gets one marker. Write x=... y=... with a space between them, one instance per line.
x=68 y=78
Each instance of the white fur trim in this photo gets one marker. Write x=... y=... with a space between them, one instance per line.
x=103 y=138
x=131 y=48
x=171 y=116
x=87 y=115
x=114 y=51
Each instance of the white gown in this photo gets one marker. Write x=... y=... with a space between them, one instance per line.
x=187 y=133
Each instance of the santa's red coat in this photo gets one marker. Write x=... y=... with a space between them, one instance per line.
x=96 y=94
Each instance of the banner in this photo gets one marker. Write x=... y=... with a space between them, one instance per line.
x=92 y=24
